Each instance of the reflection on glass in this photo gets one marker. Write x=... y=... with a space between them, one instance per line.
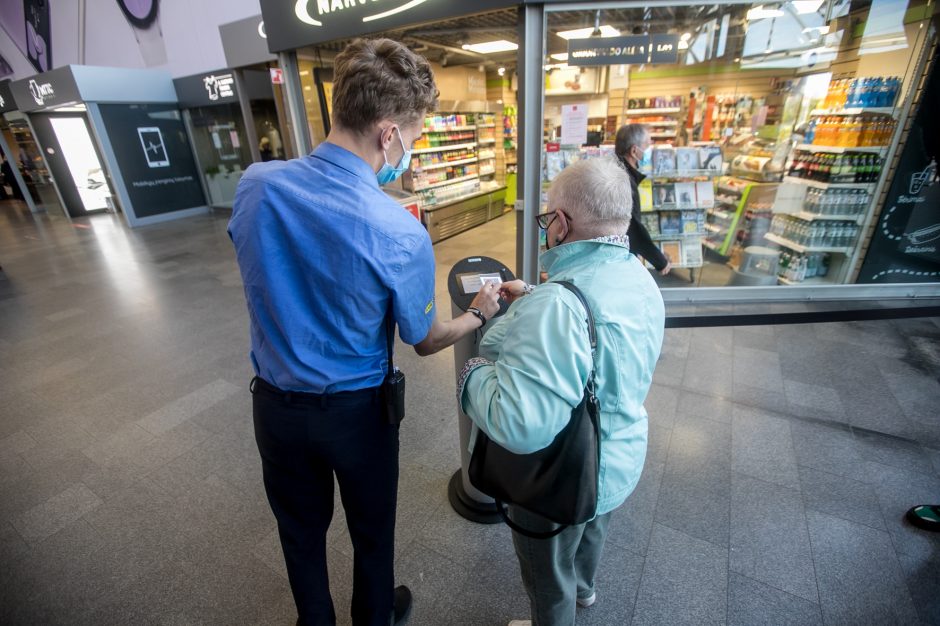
x=82 y=161
x=884 y=29
x=219 y=138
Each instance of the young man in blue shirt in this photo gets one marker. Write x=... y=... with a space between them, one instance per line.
x=326 y=256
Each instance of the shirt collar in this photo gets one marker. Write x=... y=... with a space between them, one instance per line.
x=559 y=256
x=635 y=174
x=344 y=159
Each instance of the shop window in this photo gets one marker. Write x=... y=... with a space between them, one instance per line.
x=774 y=126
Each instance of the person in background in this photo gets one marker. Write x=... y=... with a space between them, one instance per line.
x=328 y=262
x=535 y=361
x=264 y=147
x=631 y=142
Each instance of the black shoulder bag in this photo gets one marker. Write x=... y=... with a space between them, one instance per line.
x=559 y=482
x=393 y=388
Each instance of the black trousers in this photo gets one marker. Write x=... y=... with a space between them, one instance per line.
x=304 y=439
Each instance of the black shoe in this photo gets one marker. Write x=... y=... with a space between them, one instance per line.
x=925 y=516
x=402 y=605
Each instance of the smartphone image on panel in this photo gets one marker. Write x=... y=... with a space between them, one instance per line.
x=152 y=141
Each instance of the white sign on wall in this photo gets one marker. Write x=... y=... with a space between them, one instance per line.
x=574 y=119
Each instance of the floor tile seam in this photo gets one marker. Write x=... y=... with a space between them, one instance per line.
x=27 y=542
x=659 y=491
x=934 y=475
x=694 y=537
x=808 y=507
x=838 y=476
x=424 y=548
x=817 y=603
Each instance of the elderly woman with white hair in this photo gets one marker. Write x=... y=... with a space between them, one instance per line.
x=535 y=361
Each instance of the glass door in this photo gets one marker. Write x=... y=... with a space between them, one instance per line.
x=81 y=158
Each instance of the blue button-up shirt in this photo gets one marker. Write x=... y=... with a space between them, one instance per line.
x=324 y=253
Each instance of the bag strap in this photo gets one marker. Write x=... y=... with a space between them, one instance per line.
x=532 y=534
x=592 y=331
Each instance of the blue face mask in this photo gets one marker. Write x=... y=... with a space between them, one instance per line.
x=646 y=160
x=388 y=173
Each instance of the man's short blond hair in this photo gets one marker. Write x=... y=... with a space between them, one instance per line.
x=376 y=79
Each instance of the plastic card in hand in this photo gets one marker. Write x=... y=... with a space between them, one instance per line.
x=472 y=283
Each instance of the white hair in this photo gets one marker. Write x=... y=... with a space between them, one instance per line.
x=596 y=193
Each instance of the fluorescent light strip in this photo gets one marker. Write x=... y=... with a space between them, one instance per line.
x=584 y=33
x=500 y=45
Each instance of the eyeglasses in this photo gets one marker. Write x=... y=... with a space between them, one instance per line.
x=545 y=219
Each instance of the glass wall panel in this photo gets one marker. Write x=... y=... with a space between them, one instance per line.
x=773 y=126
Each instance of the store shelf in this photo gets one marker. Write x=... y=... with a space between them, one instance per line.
x=809 y=217
x=487 y=172
x=661 y=111
x=449 y=181
x=819 y=185
x=425 y=131
x=724 y=189
x=662 y=237
x=807 y=147
x=486 y=125
x=662 y=135
x=435 y=166
x=724 y=215
x=458 y=146
x=490 y=140
x=857 y=111
x=684 y=174
x=786 y=243
x=815 y=280
x=711 y=246
x=712 y=228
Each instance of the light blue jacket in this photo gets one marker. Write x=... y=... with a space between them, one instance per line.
x=540 y=359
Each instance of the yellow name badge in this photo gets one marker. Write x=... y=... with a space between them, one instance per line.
x=428 y=308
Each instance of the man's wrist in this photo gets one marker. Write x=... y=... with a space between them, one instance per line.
x=477 y=313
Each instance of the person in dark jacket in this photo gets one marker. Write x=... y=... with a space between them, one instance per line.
x=631 y=142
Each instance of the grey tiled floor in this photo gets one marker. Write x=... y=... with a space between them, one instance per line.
x=781 y=459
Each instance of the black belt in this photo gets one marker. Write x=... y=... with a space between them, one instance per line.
x=259 y=385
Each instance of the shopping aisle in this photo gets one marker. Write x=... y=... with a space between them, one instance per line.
x=781 y=459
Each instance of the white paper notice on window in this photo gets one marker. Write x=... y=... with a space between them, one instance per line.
x=574 y=118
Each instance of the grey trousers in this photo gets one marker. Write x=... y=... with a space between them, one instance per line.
x=557 y=571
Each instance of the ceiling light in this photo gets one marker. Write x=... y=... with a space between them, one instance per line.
x=584 y=33
x=562 y=56
x=806 y=6
x=501 y=71
x=685 y=36
x=683 y=44
x=823 y=30
x=737 y=59
x=760 y=13
x=500 y=45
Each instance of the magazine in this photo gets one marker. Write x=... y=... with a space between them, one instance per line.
x=664 y=196
x=664 y=160
x=691 y=252
x=672 y=250
x=690 y=222
x=710 y=158
x=651 y=222
x=685 y=195
x=670 y=223
x=705 y=194
x=645 y=190
x=686 y=160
